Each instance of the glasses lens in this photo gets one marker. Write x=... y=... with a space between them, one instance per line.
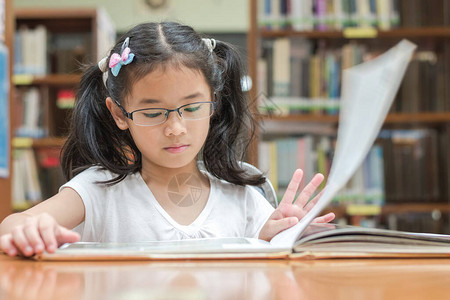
x=149 y=117
x=197 y=110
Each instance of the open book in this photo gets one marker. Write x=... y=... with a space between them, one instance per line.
x=368 y=90
x=317 y=241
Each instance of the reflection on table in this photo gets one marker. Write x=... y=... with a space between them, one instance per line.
x=279 y=279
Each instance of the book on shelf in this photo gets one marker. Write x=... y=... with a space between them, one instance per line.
x=30 y=51
x=444 y=158
x=329 y=15
x=4 y=110
x=412 y=164
x=423 y=89
x=26 y=189
x=37 y=173
x=313 y=154
x=311 y=83
x=30 y=114
x=2 y=20
x=65 y=99
x=418 y=13
x=433 y=222
x=51 y=176
x=363 y=111
x=323 y=15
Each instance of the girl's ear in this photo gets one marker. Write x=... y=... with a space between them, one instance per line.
x=117 y=114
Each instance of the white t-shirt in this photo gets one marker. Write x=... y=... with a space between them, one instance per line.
x=128 y=211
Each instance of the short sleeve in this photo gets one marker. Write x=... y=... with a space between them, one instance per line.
x=93 y=197
x=258 y=211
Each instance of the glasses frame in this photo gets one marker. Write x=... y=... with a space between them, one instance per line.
x=129 y=115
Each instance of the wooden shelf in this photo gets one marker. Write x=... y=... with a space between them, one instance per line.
x=425 y=117
x=23 y=142
x=415 y=208
x=51 y=79
x=397 y=118
x=305 y=118
x=49 y=142
x=74 y=20
x=341 y=211
x=424 y=32
x=45 y=14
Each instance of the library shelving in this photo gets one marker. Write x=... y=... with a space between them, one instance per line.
x=290 y=40
x=51 y=46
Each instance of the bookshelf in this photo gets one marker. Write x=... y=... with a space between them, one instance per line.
x=424 y=111
x=5 y=183
x=50 y=48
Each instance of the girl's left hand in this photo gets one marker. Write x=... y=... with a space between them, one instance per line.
x=289 y=212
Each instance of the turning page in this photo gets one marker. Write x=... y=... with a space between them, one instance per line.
x=367 y=93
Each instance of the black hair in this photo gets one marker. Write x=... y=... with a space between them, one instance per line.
x=95 y=139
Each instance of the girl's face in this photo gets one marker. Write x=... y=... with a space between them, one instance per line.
x=176 y=142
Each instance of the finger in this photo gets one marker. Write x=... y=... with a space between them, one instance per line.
x=291 y=211
x=277 y=226
x=292 y=188
x=47 y=230
x=325 y=218
x=276 y=215
x=309 y=190
x=32 y=234
x=7 y=245
x=21 y=241
x=64 y=235
x=313 y=202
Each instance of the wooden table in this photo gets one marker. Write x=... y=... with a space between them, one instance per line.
x=277 y=279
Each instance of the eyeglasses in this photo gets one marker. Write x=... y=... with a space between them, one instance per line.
x=156 y=116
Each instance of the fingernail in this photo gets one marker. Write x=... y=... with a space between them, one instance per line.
x=51 y=248
x=28 y=249
x=12 y=252
x=38 y=248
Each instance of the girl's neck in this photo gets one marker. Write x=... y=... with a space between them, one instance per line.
x=181 y=192
x=161 y=176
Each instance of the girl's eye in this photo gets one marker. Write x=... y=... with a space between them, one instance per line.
x=152 y=114
x=192 y=108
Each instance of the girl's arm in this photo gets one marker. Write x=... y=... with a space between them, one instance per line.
x=44 y=226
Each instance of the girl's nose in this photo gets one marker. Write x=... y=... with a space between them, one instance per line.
x=174 y=124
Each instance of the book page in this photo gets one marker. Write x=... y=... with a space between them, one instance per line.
x=367 y=93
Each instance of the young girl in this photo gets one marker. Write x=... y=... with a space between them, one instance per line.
x=163 y=99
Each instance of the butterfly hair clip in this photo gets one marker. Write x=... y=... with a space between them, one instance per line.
x=124 y=58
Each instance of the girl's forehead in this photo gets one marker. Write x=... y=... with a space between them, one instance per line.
x=170 y=83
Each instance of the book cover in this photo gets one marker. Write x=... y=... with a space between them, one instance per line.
x=4 y=111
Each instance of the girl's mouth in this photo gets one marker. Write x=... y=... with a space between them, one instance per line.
x=176 y=148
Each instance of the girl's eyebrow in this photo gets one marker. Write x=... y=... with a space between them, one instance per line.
x=153 y=101
x=149 y=101
x=195 y=95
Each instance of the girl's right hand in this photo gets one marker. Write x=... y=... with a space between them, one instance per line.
x=38 y=233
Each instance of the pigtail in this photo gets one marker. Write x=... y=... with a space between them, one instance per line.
x=232 y=127
x=94 y=138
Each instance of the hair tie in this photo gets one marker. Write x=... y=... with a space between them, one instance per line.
x=210 y=43
x=103 y=65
